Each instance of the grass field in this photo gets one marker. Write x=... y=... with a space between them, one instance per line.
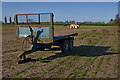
x=95 y=55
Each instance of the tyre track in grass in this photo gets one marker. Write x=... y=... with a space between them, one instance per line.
x=79 y=69
x=62 y=69
x=40 y=71
x=68 y=72
x=50 y=70
x=66 y=69
x=101 y=63
x=93 y=41
x=80 y=35
x=84 y=71
x=53 y=67
x=114 y=45
x=83 y=41
x=86 y=35
x=93 y=34
x=12 y=63
x=13 y=70
x=92 y=73
x=107 y=67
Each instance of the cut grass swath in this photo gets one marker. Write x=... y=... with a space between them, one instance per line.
x=54 y=66
x=96 y=70
x=51 y=68
x=84 y=73
x=84 y=36
x=42 y=60
x=86 y=69
x=107 y=60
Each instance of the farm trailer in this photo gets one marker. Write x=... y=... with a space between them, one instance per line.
x=36 y=31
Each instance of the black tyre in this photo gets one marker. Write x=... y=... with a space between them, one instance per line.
x=70 y=44
x=27 y=43
x=65 y=46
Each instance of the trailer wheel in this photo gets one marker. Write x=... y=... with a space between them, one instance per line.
x=65 y=46
x=70 y=44
x=27 y=44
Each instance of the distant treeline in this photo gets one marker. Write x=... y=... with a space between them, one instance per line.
x=66 y=23
x=62 y=24
x=89 y=24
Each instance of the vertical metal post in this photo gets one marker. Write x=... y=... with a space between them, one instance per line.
x=17 y=28
x=39 y=18
x=26 y=19
x=16 y=21
x=52 y=25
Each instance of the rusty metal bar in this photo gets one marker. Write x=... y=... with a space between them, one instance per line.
x=16 y=20
x=52 y=25
x=35 y=25
x=34 y=14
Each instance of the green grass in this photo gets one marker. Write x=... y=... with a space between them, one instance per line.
x=8 y=25
x=93 y=76
x=100 y=62
x=80 y=38
x=107 y=60
x=69 y=64
x=84 y=73
x=88 y=41
x=62 y=25
x=34 y=75
x=85 y=70
x=43 y=61
x=60 y=62
x=115 y=66
x=86 y=35
x=69 y=75
x=87 y=61
x=97 y=33
x=96 y=40
x=73 y=76
x=97 y=27
x=0 y=25
x=52 y=67
x=32 y=56
x=76 y=58
x=93 y=41
x=103 y=42
x=20 y=72
x=93 y=60
x=24 y=70
x=112 y=49
x=90 y=34
x=98 y=66
x=94 y=72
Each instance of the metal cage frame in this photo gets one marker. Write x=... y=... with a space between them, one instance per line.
x=51 y=26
